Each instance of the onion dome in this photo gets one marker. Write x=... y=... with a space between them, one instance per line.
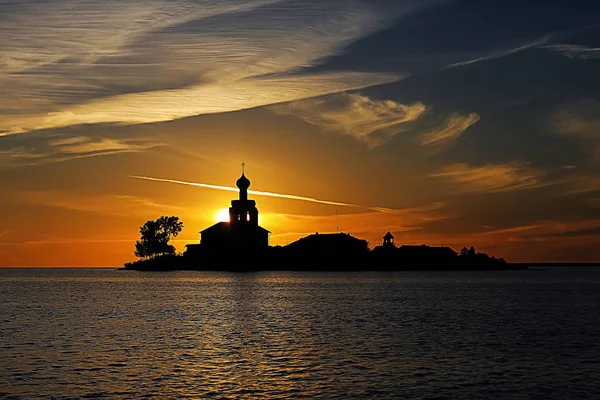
x=243 y=183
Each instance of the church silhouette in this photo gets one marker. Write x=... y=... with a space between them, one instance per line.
x=240 y=233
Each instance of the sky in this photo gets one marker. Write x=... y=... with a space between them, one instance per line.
x=456 y=123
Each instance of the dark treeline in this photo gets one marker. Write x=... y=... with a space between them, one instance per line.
x=316 y=252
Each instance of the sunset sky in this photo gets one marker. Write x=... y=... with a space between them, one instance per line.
x=451 y=123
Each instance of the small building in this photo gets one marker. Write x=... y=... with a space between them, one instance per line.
x=388 y=240
x=424 y=252
x=387 y=250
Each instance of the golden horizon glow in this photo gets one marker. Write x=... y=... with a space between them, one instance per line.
x=223 y=215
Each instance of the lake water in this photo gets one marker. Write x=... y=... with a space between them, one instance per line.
x=91 y=333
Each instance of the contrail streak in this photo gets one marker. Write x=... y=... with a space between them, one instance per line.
x=261 y=193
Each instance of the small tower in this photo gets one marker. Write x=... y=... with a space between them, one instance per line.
x=240 y=235
x=388 y=240
x=243 y=211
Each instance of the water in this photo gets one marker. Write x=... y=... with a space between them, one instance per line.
x=437 y=335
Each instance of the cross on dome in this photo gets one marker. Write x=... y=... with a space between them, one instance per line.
x=243 y=184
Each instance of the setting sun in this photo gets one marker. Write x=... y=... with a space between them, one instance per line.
x=223 y=215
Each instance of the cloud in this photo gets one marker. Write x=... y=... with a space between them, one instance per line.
x=36 y=149
x=114 y=205
x=491 y=178
x=501 y=53
x=157 y=61
x=266 y=194
x=371 y=121
x=95 y=146
x=548 y=230
x=575 y=50
x=157 y=106
x=375 y=121
x=451 y=128
x=581 y=120
x=51 y=240
x=582 y=183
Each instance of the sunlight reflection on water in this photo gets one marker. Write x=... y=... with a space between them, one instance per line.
x=126 y=334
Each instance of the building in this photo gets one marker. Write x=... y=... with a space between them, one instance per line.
x=328 y=244
x=241 y=232
x=388 y=240
x=387 y=250
x=408 y=256
x=424 y=252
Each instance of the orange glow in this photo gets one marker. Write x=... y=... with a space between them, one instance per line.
x=223 y=215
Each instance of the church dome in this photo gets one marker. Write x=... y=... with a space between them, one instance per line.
x=243 y=183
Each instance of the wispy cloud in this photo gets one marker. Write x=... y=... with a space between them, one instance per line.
x=266 y=194
x=581 y=120
x=44 y=149
x=448 y=130
x=50 y=240
x=86 y=146
x=116 y=205
x=366 y=119
x=575 y=50
x=374 y=121
x=491 y=178
x=502 y=52
x=161 y=60
x=583 y=183
x=156 y=106
x=548 y=230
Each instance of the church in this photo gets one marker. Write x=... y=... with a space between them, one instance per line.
x=241 y=232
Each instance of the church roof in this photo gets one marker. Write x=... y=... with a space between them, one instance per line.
x=219 y=226
x=225 y=226
x=388 y=236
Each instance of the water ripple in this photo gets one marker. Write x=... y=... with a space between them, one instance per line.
x=69 y=334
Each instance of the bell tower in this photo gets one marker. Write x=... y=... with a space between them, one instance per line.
x=243 y=211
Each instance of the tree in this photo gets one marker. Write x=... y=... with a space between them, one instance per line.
x=155 y=236
x=470 y=252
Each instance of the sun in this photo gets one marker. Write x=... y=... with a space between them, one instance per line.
x=223 y=215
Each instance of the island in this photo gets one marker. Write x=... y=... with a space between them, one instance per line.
x=241 y=244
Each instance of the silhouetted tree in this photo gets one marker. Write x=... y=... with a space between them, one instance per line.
x=155 y=236
x=470 y=252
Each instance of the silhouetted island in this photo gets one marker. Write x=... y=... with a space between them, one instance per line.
x=242 y=245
